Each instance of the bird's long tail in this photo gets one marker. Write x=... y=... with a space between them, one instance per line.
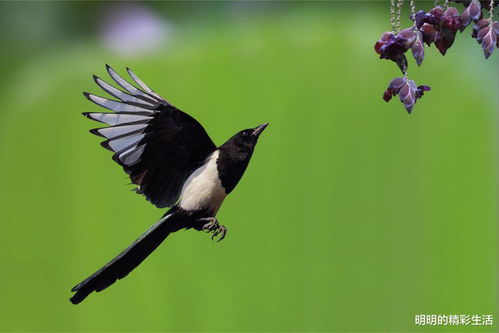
x=127 y=260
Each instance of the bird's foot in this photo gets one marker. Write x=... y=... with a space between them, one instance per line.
x=219 y=233
x=212 y=226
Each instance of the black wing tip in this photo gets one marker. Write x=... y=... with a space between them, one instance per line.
x=105 y=144
x=109 y=69
x=95 y=131
x=89 y=97
x=116 y=158
x=132 y=74
x=86 y=115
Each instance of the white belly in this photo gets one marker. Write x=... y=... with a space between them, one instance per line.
x=203 y=189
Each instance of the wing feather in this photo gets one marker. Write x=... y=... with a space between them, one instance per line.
x=115 y=105
x=118 y=131
x=116 y=119
x=157 y=145
x=131 y=156
x=143 y=85
x=126 y=85
x=125 y=97
x=123 y=143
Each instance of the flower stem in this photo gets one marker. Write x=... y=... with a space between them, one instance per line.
x=392 y=14
x=491 y=11
x=400 y=3
x=413 y=13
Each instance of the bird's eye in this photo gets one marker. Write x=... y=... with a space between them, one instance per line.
x=245 y=133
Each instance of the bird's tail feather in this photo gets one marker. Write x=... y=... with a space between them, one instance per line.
x=127 y=260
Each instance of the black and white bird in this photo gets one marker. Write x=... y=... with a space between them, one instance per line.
x=173 y=162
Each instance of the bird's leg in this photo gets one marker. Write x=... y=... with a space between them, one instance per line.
x=210 y=224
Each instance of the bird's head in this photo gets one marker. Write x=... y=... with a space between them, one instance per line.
x=244 y=141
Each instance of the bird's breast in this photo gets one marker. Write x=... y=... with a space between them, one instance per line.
x=203 y=189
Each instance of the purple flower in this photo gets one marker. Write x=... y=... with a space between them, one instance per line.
x=487 y=36
x=407 y=90
x=418 y=48
x=393 y=47
x=479 y=26
x=435 y=17
x=444 y=41
x=420 y=18
x=472 y=12
x=449 y=26
x=428 y=32
x=451 y=19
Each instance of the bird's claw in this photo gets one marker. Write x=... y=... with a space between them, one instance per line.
x=220 y=232
x=212 y=226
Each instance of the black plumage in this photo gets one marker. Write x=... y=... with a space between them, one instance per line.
x=173 y=162
x=175 y=144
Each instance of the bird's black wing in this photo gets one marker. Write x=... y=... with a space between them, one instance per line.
x=157 y=145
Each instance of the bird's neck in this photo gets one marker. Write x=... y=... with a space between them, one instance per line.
x=231 y=166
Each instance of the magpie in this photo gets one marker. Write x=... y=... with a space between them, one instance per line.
x=173 y=162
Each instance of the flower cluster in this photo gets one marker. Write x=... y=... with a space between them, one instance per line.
x=486 y=33
x=393 y=46
x=438 y=26
x=407 y=91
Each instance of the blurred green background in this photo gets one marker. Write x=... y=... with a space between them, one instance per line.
x=352 y=217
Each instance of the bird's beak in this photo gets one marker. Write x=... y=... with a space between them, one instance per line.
x=259 y=129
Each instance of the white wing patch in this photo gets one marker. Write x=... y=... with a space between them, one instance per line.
x=203 y=189
x=122 y=95
x=121 y=144
x=132 y=156
x=116 y=106
x=144 y=86
x=113 y=132
x=125 y=85
x=116 y=118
